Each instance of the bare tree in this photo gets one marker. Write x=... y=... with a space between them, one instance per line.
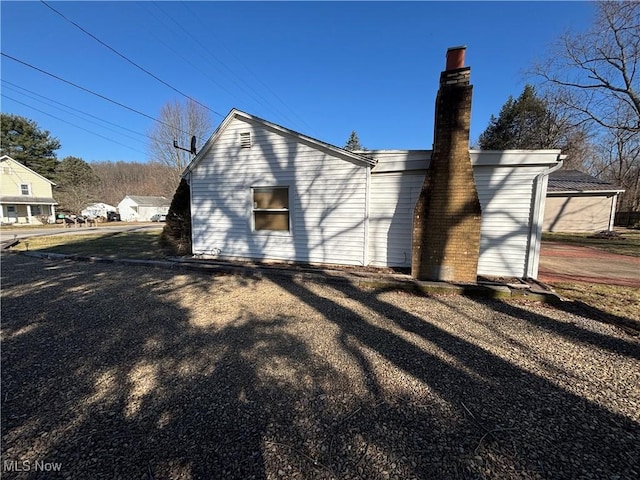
x=592 y=79
x=118 y=179
x=575 y=139
x=180 y=121
x=594 y=74
x=617 y=160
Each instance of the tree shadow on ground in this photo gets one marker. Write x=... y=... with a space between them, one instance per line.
x=573 y=330
x=117 y=372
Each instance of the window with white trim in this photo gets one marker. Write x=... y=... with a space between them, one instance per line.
x=271 y=209
x=36 y=210
x=25 y=189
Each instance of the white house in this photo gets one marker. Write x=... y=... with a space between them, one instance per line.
x=137 y=208
x=262 y=191
x=98 y=210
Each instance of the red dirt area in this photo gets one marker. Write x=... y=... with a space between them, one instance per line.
x=569 y=263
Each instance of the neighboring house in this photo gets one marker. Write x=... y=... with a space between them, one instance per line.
x=577 y=202
x=262 y=191
x=136 y=208
x=25 y=196
x=98 y=210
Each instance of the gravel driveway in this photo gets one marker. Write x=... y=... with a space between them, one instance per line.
x=123 y=372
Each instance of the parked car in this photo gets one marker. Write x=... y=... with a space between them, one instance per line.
x=159 y=217
x=113 y=217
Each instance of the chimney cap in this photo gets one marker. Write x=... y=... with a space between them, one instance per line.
x=455 y=57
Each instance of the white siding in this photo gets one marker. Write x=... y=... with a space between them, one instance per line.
x=127 y=211
x=506 y=198
x=327 y=197
x=505 y=193
x=393 y=199
x=145 y=212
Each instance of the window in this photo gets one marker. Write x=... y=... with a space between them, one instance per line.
x=245 y=140
x=36 y=210
x=24 y=189
x=271 y=209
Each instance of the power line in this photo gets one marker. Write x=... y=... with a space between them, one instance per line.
x=74 y=109
x=238 y=80
x=220 y=42
x=124 y=57
x=175 y=52
x=73 y=124
x=93 y=93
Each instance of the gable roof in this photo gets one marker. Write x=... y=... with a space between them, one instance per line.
x=576 y=181
x=8 y=158
x=100 y=205
x=235 y=113
x=143 y=201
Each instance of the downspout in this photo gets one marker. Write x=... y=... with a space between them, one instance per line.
x=537 y=218
x=367 y=195
x=612 y=214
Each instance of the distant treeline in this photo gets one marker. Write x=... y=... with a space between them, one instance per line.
x=119 y=179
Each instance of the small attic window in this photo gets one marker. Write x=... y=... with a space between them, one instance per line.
x=245 y=140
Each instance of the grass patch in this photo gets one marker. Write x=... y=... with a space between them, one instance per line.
x=627 y=244
x=140 y=245
x=31 y=226
x=621 y=303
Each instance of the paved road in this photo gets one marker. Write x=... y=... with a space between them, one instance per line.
x=8 y=234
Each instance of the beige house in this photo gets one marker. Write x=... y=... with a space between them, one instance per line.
x=26 y=197
x=577 y=202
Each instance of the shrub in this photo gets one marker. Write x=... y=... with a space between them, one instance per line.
x=175 y=238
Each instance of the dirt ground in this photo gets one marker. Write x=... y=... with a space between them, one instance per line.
x=121 y=372
x=560 y=262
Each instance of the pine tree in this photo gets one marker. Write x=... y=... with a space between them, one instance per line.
x=25 y=142
x=176 y=233
x=524 y=123
x=353 y=143
x=75 y=184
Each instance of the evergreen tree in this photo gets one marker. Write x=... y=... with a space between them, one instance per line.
x=353 y=143
x=25 y=142
x=176 y=233
x=524 y=123
x=75 y=184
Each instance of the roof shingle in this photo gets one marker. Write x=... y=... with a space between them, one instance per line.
x=576 y=181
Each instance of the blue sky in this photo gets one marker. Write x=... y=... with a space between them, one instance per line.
x=321 y=68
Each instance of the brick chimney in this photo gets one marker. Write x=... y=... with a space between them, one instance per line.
x=446 y=221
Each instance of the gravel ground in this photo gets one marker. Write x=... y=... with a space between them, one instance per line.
x=122 y=372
